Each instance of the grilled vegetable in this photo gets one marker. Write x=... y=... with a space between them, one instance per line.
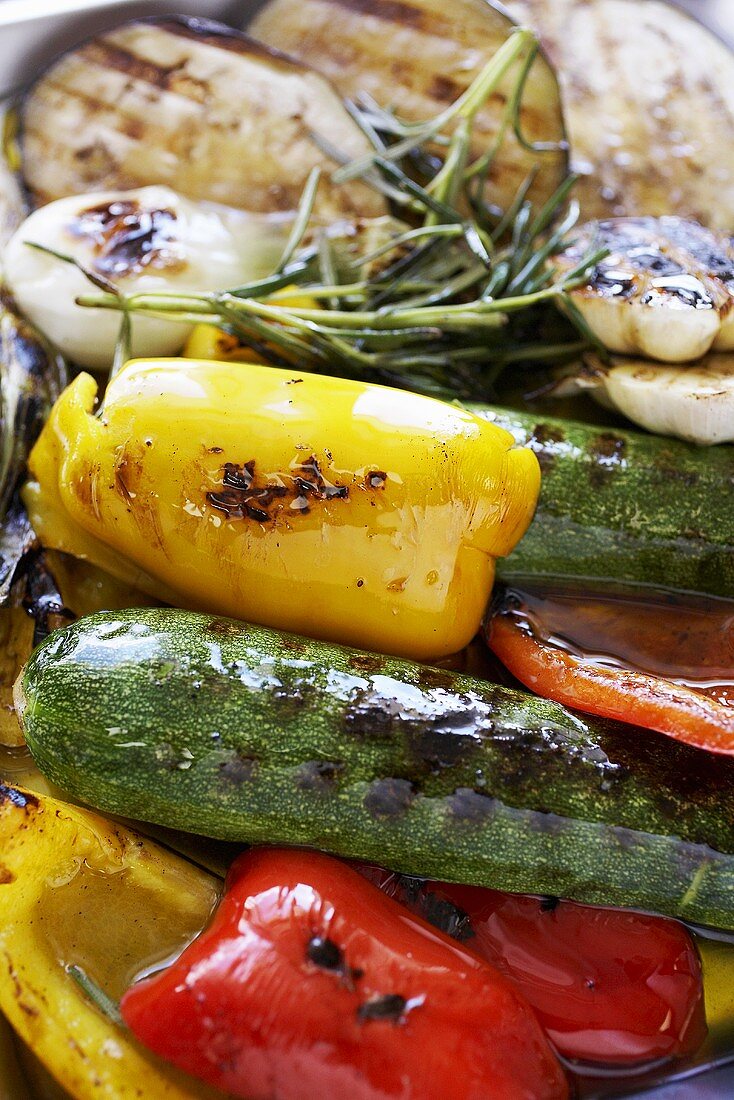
x=12 y=204
x=417 y=56
x=31 y=378
x=58 y=861
x=588 y=684
x=195 y=106
x=649 y=99
x=16 y=642
x=362 y=990
x=666 y=289
x=692 y=401
x=609 y=987
x=240 y=733
x=343 y=510
x=136 y=241
x=622 y=506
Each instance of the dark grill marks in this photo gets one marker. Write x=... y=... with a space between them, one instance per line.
x=392 y=11
x=389 y=798
x=241 y=498
x=318 y=776
x=652 y=259
x=324 y=953
x=327 y=955
x=22 y=799
x=127 y=237
x=390 y=1007
x=470 y=806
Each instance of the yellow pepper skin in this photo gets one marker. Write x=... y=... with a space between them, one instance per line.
x=78 y=890
x=332 y=508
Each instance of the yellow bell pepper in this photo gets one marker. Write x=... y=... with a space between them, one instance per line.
x=76 y=890
x=332 y=508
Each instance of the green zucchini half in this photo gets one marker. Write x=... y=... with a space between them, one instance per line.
x=232 y=731
x=624 y=506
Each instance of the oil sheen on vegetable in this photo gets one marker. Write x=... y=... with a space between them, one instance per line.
x=336 y=509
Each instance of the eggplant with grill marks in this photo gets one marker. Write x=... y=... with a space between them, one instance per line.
x=193 y=105
x=419 y=56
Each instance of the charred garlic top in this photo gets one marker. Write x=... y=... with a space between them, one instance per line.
x=665 y=291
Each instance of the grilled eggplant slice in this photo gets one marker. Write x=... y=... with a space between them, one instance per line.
x=32 y=376
x=417 y=56
x=649 y=100
x=194 y=105
x=665 y=291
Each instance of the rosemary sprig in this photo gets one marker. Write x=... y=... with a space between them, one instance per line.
x=447 y=299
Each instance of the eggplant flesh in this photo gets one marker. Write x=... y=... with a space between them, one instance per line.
x=418 y=56
x=193 y=105
x=649 y=99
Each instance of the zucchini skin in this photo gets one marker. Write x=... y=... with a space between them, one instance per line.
x=239 y=733
x=624 y=506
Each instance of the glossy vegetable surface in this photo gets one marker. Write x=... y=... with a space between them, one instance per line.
x=31 y=378
x=241 y=733
x=623 y=506
x=64 y=873
x=196 y=106
x=338 y=509
x=629 y=75
x=591 y=686
x=417 y=56
x=140 y=241
x=617 y=988
x=310 y=982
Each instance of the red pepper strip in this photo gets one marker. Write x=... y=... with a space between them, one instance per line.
x=634 y=697
x=607 y=985
x=312 y=983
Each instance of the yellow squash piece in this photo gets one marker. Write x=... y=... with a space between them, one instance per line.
x=332 y=508
x=78 y=890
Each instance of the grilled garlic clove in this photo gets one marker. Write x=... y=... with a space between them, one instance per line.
x=694 y=402
x=144 y=241
x=665 y=291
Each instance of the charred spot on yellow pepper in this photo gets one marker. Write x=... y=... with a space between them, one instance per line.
x=332 y=508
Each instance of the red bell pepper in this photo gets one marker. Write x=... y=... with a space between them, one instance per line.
x=608 y=986
x=311 y=983
x=628 y=696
